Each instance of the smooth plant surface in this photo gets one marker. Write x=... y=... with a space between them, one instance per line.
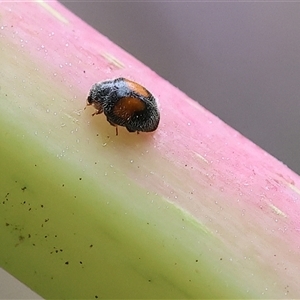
x=192 y=210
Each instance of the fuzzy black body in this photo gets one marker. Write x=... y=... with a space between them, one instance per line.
x=125 y=103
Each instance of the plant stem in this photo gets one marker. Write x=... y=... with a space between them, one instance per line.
x=192 y=210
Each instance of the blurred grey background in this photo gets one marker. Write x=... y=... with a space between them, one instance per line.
x=240 y=60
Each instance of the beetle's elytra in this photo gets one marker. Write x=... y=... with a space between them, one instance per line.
x=125 y=103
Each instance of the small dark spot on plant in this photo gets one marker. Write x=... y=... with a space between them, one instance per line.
x=66 y=263
x=80 y=178
x=33 y=244
x=80 y=262
x=96 y=297
x=42 y=206
x=63 y=185
x=83 y=71
x=197 y=260
x=91 y=246
x=149 y=280
x=23 y=188
x=21 y=238
x=29 y=235
x=7 y=224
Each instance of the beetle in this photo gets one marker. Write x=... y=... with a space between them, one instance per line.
x=125 y=103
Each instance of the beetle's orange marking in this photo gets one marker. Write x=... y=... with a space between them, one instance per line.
x=137 y=88
x=127 y=106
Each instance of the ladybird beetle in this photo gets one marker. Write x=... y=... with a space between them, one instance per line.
x=125 y=103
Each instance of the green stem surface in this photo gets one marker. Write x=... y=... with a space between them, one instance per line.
x=193 y=210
